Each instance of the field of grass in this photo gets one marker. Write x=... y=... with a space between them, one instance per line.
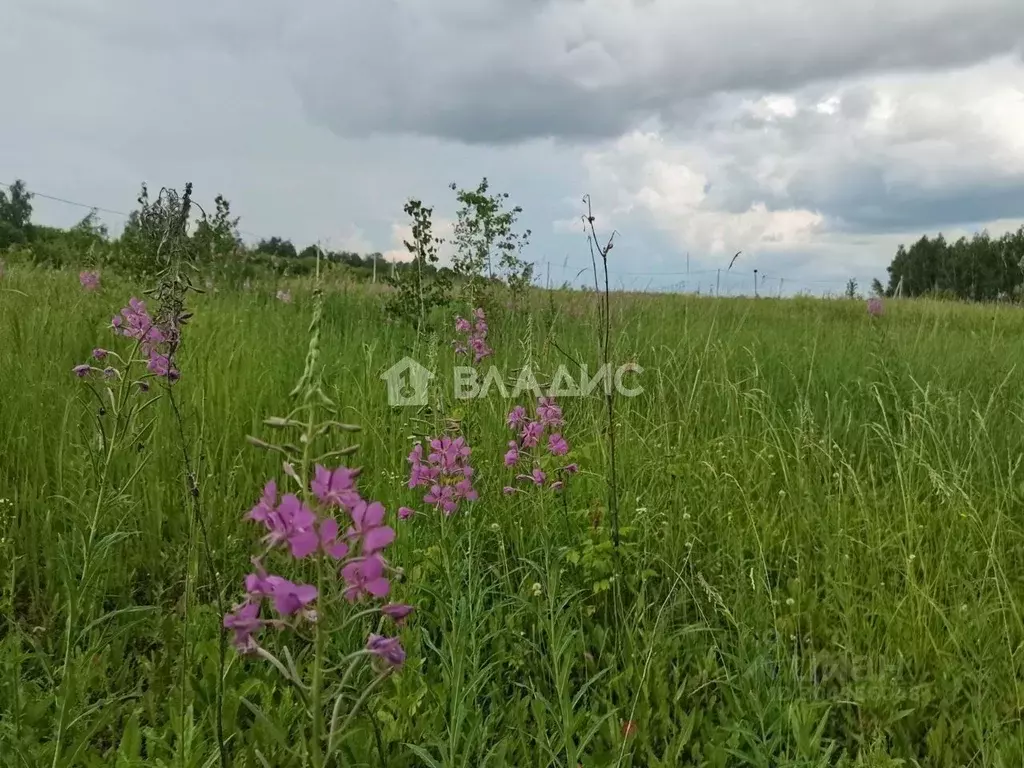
x=821 y=557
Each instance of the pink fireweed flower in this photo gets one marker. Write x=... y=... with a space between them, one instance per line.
x=557 y=445
x=550 y=415
x=368 y=527
x=875 y=307
x=89 y=279
x=290 y=598
x=329 y=541
x=245 y=622
x=337 y=487
x=512 y=454
x=404 y=513
x=266 y=505
x=474 y=337
x=397 y=612
x=537 y=477
x=155 y=342
x=387 y=648
x=531 y=434
x=365 y=576
x=446 y=473
x=292 y=523
x=517 y=417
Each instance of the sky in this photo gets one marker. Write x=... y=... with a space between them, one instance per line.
x=812 y=136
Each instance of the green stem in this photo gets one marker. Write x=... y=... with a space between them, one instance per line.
x=67 y=675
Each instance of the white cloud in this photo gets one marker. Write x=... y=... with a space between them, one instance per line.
x=401 y=232
x=642 y=172
x=793 y=172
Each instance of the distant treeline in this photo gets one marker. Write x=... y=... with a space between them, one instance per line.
x=982 y=268
x=215 y=244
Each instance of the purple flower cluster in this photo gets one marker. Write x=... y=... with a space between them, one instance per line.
x=302 y=531
x=875 y=307
x=445 y=472
x=474 y=336
x=156 y=343
x=536 y=436
x=89 y=279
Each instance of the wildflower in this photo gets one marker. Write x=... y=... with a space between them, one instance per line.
x=557 y=445
x=512 y=455
x=365 y=576
x=292 y=522
x=549 y=413
x=531 y=434
x=99 y=354
x=81 y=371
x=90 y=280
x=475 y=336
x=367 y=521
x=266 y=505
x=335 y=487
x=290 y=598
x=284 y=296
x=387 y=648
x=531 y=431
x=110 y=373
x=516 y=416
x=404 y=513
x=446 y=473
x=245 y=622
x=875 y=307
x=397 y=612
x=629 y=728
x=329 y=539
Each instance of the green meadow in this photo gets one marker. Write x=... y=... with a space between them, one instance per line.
x=813 y=556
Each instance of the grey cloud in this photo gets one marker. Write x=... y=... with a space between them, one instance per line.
x=592 y=69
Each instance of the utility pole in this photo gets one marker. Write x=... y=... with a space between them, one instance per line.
x=755 y=283
x=718 y=284
x=375 y=267
x=781 y=281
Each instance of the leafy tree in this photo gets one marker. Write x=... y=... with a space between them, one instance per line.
x=15 y=215
x=486 y=243
x=982 y=268
x=216 y=237
x=276 y=246
x=420 y=286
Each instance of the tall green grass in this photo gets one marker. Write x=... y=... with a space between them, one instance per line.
x=822 y=559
